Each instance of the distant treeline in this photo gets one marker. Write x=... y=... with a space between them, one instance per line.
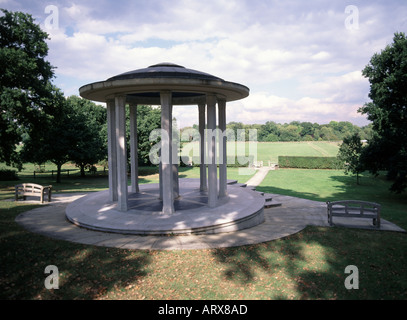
x=300 y=131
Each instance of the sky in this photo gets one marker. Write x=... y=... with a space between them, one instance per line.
x=301 y=60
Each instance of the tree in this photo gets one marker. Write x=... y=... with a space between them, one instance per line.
x=88 y=122
x=148 y=119
x=387 y=149
x=307 y=129
x=54 y=137
x=24 y=80
x=268 y=132
x=289 y=133
x=366 y=132
x=235 y=126
x=74 y=130
x=350 y=152
x=327 y=133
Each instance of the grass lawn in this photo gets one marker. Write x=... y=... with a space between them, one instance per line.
x=98 y=182
x=306 y=265
x=271 y=150
x=324 y=185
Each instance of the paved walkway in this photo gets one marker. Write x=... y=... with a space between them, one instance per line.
x=292 y=216
x=258 y=177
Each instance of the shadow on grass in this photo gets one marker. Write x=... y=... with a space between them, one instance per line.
x=291 y=193
x=85 y=272
x=340 y=188
x=311 y=265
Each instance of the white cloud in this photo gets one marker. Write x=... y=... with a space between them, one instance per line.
x=321 y=56
x=261 y=107
x=298 y=59
x=349 y=87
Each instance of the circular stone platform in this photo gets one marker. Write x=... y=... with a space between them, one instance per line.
x=243 y=208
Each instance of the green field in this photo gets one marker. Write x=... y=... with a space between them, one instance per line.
x=269 y=151
x=266 y=151
x=98 y=182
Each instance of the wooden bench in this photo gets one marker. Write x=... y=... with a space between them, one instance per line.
x=31 y=189
x=354 y=209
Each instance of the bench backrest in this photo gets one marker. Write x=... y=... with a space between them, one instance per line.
x=354 y=205
x=30 y=187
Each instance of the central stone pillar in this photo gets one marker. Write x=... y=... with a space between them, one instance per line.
x=166 y=153
x=122 y=192
x=211 y=140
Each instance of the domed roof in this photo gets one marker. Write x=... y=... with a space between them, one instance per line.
x=143 y=86
x=165 y=70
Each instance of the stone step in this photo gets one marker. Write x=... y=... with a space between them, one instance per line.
x=268 y=197
x=269 y=201
x=243 y=185
x=271 y=204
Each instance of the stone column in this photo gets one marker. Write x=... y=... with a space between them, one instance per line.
x=111 y=148
x=202 y=158
x=175 y=159
x=160 y=178
x=133 y=149
x=211 y=140
x=166 y=153
x=222 y=149
x=175 y=181
x=122 y=192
